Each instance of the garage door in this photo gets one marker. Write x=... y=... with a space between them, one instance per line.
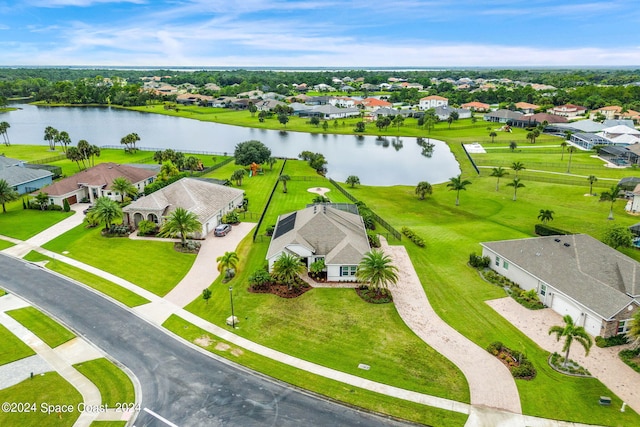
x=72 y=200
x=563 y=307
x=592 y=325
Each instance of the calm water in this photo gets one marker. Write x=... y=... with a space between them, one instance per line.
x=376 y=162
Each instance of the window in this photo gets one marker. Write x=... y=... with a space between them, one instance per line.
x=498 y=261
x=543 y=289
x=622 y=326
x=505 y=264
x=348 y=270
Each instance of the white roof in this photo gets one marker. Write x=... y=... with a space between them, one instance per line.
x=620 y=130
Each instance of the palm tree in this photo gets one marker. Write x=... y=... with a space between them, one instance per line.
x=3 y=130
x=571 y=332
x=513 y=145
x=498 y=172
x=271 y=161
x=192 y=163
x=517 y=166
x=591 y=179
x=123 y=186
x=456 y=184
x=563 y=144
x=284 y=179
x=515 y=184
x=287 y=268
x=353 y=180
x=75 y=155
x=63 y=139
x=377 y=270
x=493 y=136
x=423 y=188
x=570 y=150
x=167 y=171
x=7 y=194
x=611 y=196
x=227 y=262
x=106 y=211
x=237 y=176
x=180 y=222
x=545 y=215
x=50 y=135
x=84 y=148
x=633 y=333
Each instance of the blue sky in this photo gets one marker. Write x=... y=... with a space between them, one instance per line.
x=319 y=33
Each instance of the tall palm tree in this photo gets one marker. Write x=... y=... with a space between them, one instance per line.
x=180 y=222
x=377 y=270
x=517 y=166
x=591 y=179
x=123 y=186
x=633 y=333
x=545 y=215
x=3 y=130
x=284 y=179
x=456 y=184
x=64 y=140
x=75 y=155
x=498 y=172
x=50 y=135
x=570 y=332
x=570 y=150
x=423 y=188
x=515 y=184
x=106 y=211
x=493 y=136
x=7 y=194
x=513 y=145
x=563 y=144
x=227 y=262
x=84 y=148
x=611 y=196
x=287 y=268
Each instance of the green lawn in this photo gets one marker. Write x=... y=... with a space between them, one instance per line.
x=12 y=348
x=332 y=389
x=25 y=223
x=117 y=292
x=155 y=266
x=48 y=389
x=108 y=424
x=44 y=327
x=4 y=244
x=114 y=385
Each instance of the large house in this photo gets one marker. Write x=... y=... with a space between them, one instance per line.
x=432 y=101
x=577 y=275
x=322 y=232
x=570 y=111
x=96 y=182
x=526 y=107
x=444 y=111
x=502 y=116
x=208 y=200
x=476 y=106
x=21 y=177
x=613 y=112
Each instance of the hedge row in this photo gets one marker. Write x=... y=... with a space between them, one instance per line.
x=546 y=230
x=412 y=236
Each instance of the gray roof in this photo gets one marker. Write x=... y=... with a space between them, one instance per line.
x=592 y=273
x=199 y=196
x=505 y=114
x=581 y=126
x=15 y=173
x=337 y=235
x=331 y=109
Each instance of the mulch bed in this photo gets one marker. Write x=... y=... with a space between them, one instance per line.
x=373 y=296
x=282 y=291
x=179 y=248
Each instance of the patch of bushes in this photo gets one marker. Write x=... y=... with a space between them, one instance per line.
x=156 y=185
x=557 y=362
x=374 y=296
x=231 y=218
x=547 y=230
x=411 y=235
x=117 y=230
x=631 y=358
x=528 y=299
x=478 y=261
x=518 y=364
x=270 y=230
x=147 y=228
x=374 y=239
x=611 y=341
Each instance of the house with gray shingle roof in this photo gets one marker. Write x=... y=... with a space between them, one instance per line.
x=21 y=177
x=207 y=199
x=322 y=232
x=577 y=275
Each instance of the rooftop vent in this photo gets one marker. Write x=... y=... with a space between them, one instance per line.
x=567 y=245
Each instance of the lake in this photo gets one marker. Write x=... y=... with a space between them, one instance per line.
x=375 y=161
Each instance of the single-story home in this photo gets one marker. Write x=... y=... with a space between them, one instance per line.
x=476 y=106
x=526 y=107
x=329 y=112
x=322 y=232
x=96 y=182
x=208 y=200
x=21 y=177
x=532 y=120
x=502 y=116
x=577 y=275
x=444 y=111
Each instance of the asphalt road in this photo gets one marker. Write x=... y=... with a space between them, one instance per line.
x=178 y=383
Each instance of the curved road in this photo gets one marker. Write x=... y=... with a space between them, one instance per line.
x=178 y=383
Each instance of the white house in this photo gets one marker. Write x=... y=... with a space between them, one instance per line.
x=322 y=232
x=577 y=275
x=432 y=101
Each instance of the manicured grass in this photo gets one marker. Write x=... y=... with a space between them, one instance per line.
x=25 y=223
x=125 y=296
x=334 y=328
x=12 y=348
x=114 y=385
x=4 y=244
x=49 y=388
x=108 y=424
x=44 y=327
x=155 y=266
x=332 y=389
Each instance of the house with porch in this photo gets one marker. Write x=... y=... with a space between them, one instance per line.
x=570 y=111
x=322 y=231
x=598 y=286
x=96 y=182
x=207 y=199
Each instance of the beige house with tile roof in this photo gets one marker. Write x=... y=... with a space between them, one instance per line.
x=208 y=200
x=322 y=232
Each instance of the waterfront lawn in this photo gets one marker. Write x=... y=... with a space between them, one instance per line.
x=117 y=292
x=49 y=388
x=154 y=266
x=44 y=327
x=333 y=389
x=12 y=348
x=114 y=385
x=25 y=223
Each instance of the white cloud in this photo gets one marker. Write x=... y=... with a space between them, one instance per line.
x=79 y=3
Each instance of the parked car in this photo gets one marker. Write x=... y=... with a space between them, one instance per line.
x=222 y=230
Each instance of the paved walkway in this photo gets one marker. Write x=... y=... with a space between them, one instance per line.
x=490 y=382
x=603 y=363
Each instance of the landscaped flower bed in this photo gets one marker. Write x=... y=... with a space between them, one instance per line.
x=373 y=296
x=528 y=299
x=572 y=368
x=281 y=290
x=518 y=364
x=632 y=358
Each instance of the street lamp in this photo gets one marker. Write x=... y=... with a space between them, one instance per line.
x=233 y=318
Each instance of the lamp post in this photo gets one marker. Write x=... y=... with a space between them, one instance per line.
x=233 y=318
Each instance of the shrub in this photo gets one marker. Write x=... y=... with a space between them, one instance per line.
x=495 y=347
x=65 y=205
x=546 y=230
x=259 y=278
x=411 y=235
x=479 y=262
x=611 y=341
x=374 y=240
x=231 y=218
x=317 y=266
x=146 y=228
x=270 y=230
x=54 y=208
x=629 y=357
x=119 y=230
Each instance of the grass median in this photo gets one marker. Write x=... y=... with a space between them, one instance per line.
x=44 y=327
x=12 y=348
x=114 y=385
